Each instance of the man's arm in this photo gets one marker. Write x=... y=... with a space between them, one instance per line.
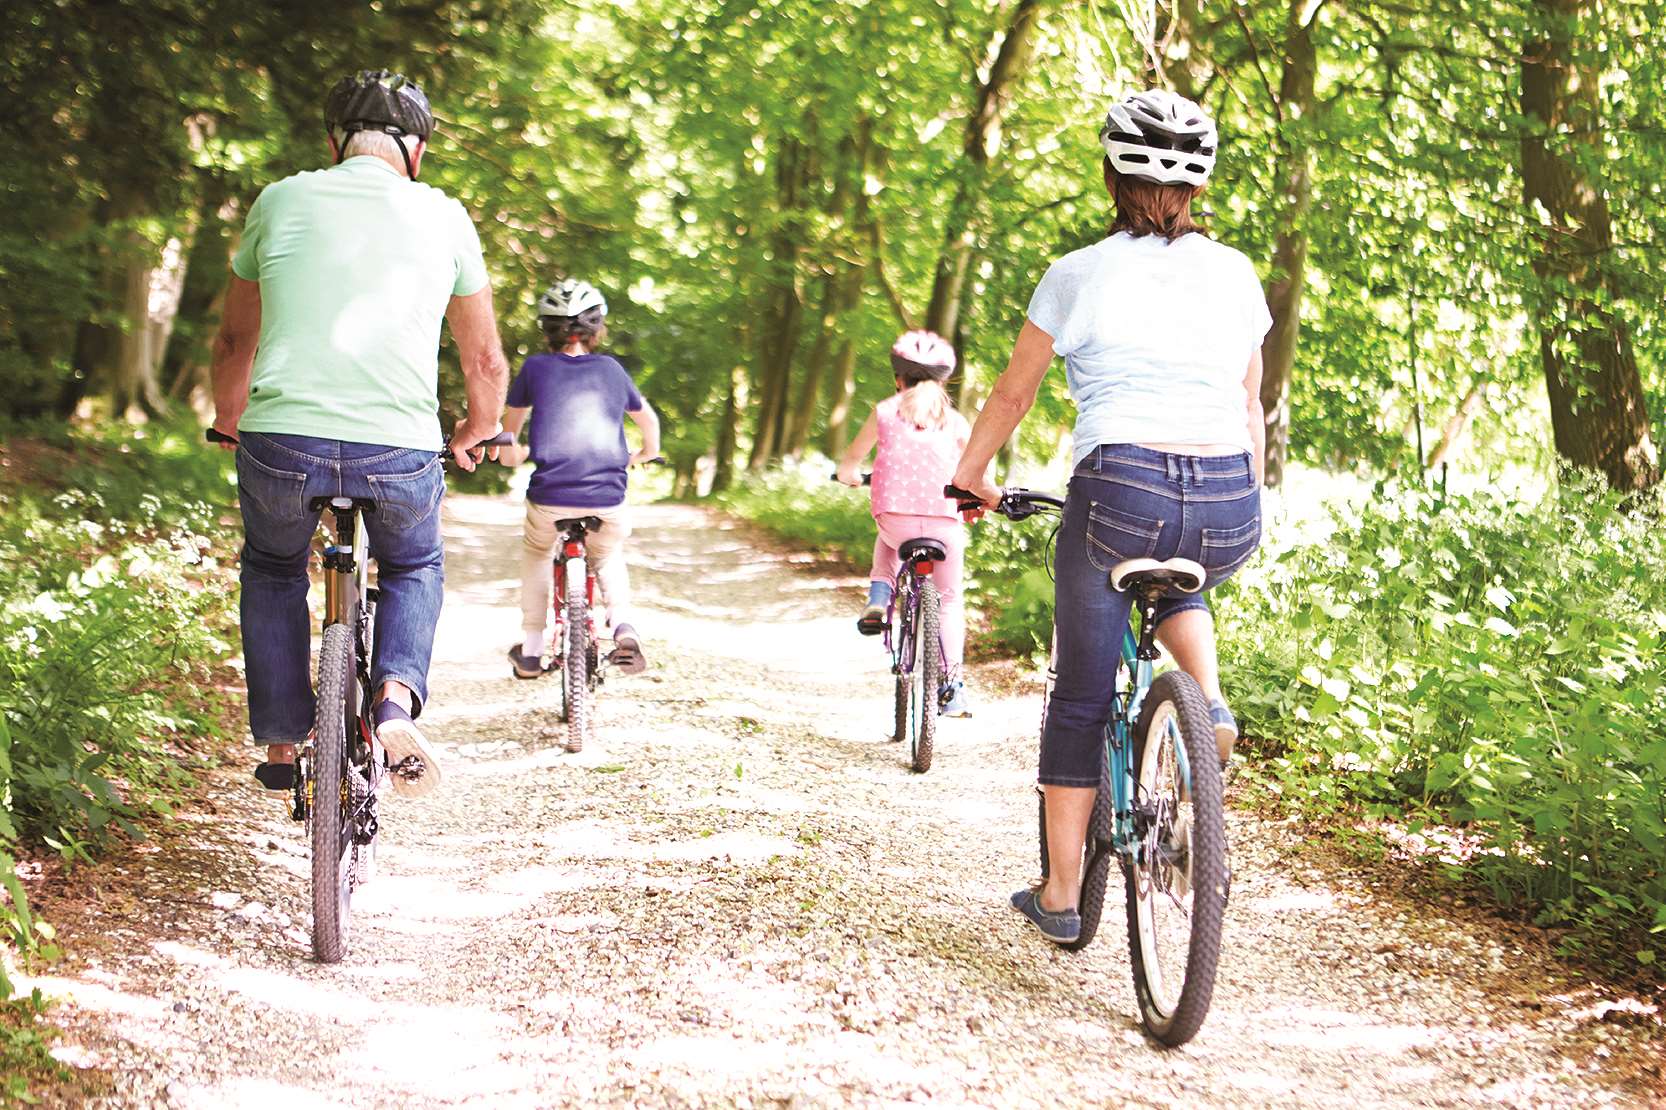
x=234 y=355
x=647 y=422
x=485 y=371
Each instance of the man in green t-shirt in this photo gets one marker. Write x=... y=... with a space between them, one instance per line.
x=326 y=374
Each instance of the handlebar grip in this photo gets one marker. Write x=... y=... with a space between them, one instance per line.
x=214 y=435
x=867 y=479
x=502 y=439
x=960 y=494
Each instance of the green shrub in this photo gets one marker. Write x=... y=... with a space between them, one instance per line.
x=109 y=598
x=1488 y=662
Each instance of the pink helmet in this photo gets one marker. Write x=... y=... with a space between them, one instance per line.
x=920 y=354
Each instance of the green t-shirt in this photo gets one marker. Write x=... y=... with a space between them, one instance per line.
x=356 y=266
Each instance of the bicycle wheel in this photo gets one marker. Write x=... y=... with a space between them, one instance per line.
x=575 y=658
x=902 y=662
x=1177 y=883
x=928 y=670
x=328 y=813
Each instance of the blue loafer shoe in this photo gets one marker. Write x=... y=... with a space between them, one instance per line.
x=1063 y=927
x=1226 y=730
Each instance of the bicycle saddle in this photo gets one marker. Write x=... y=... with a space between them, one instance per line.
x=1179 y=574
x=342 y=504
x=580 y=524
x=923 y=548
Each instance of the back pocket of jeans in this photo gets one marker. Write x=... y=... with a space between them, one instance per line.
x=279 y=494
x=1227 y=549
x=406 y=500
x=1113 y=536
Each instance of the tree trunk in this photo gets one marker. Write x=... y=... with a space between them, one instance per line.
x=723 y=474
x=803 y=412
x=1288 y=280
x=979 y=148
x=1598 y=416
x=793 y=173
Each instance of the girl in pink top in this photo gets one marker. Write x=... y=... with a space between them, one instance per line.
x=920 y=437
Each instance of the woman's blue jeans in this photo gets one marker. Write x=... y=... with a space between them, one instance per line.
x=277 y=476
x=1127 y=502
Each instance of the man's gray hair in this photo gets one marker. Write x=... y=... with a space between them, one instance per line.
x=378 y=144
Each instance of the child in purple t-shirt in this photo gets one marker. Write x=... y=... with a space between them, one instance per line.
x=574 y=403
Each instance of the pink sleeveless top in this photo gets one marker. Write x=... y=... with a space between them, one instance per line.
x=914 y=464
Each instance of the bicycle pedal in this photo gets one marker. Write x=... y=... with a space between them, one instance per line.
x=411 y=768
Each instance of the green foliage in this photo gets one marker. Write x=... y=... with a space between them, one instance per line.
x=109 y=605
x=1484 y=661
x=25 y=1043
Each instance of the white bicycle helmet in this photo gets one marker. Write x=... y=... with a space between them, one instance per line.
x=922 y=354
x=1160 y=136
x=569 y=298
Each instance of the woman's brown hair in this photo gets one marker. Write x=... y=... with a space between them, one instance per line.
x=1147 y=208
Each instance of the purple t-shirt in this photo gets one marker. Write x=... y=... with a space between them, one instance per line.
x=576 y=428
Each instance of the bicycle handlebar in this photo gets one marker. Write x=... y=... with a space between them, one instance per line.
x=867 y=479
x=1016 y=503
x=214 y=435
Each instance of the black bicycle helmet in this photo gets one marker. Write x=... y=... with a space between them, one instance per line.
x=377 y=100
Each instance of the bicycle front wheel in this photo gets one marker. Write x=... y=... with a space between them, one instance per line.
x=928 y=670
x=1177 y=883
x=328 y=809
x=575 y=659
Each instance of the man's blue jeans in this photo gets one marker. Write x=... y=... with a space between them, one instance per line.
x=1128 y=502
x=277 y=476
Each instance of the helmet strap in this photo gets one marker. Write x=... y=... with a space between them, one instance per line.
x=405 y=154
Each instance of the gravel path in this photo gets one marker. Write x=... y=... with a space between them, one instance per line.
x=740 y=896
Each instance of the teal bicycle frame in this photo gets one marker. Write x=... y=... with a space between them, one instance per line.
x=1126 y=834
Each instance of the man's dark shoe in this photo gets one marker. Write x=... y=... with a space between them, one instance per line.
x=1063 y=927
x=526 y=666
x=276 y=776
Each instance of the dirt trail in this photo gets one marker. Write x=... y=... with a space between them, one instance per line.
x=740 y=896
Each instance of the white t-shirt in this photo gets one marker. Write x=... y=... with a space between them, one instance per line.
x=1156 y=338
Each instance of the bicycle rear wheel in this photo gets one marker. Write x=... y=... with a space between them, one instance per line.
x=902 y=658
x=328 y=811
x=928 y=675
x=575 y=659
x=1177 y=884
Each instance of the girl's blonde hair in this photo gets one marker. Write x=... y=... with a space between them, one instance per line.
x=925 y=404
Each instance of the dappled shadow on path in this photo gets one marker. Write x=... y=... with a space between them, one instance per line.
x=739 y=893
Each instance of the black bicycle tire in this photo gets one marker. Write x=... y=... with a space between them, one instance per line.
x=1209 y=862
x=575 y=663
x=901 y=665
x=929 y=675
x=331 y=840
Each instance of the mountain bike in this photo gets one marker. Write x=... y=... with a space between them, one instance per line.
x=913 y=637
x=340 y=769
x=1159 y=808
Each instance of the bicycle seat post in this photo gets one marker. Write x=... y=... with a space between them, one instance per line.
x=1145 y=596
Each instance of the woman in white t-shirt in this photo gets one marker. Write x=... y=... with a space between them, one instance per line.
x=1160 y=328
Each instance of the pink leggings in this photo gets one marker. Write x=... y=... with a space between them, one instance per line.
x=896 y=529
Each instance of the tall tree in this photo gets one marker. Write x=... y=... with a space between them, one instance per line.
x=1599 y=417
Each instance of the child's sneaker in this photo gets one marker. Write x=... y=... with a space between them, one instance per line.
x=952 y=697
x=875 y=618
x=526 y=666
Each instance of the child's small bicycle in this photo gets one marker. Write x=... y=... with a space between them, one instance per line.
x=913 y=636
x=1159 y=807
